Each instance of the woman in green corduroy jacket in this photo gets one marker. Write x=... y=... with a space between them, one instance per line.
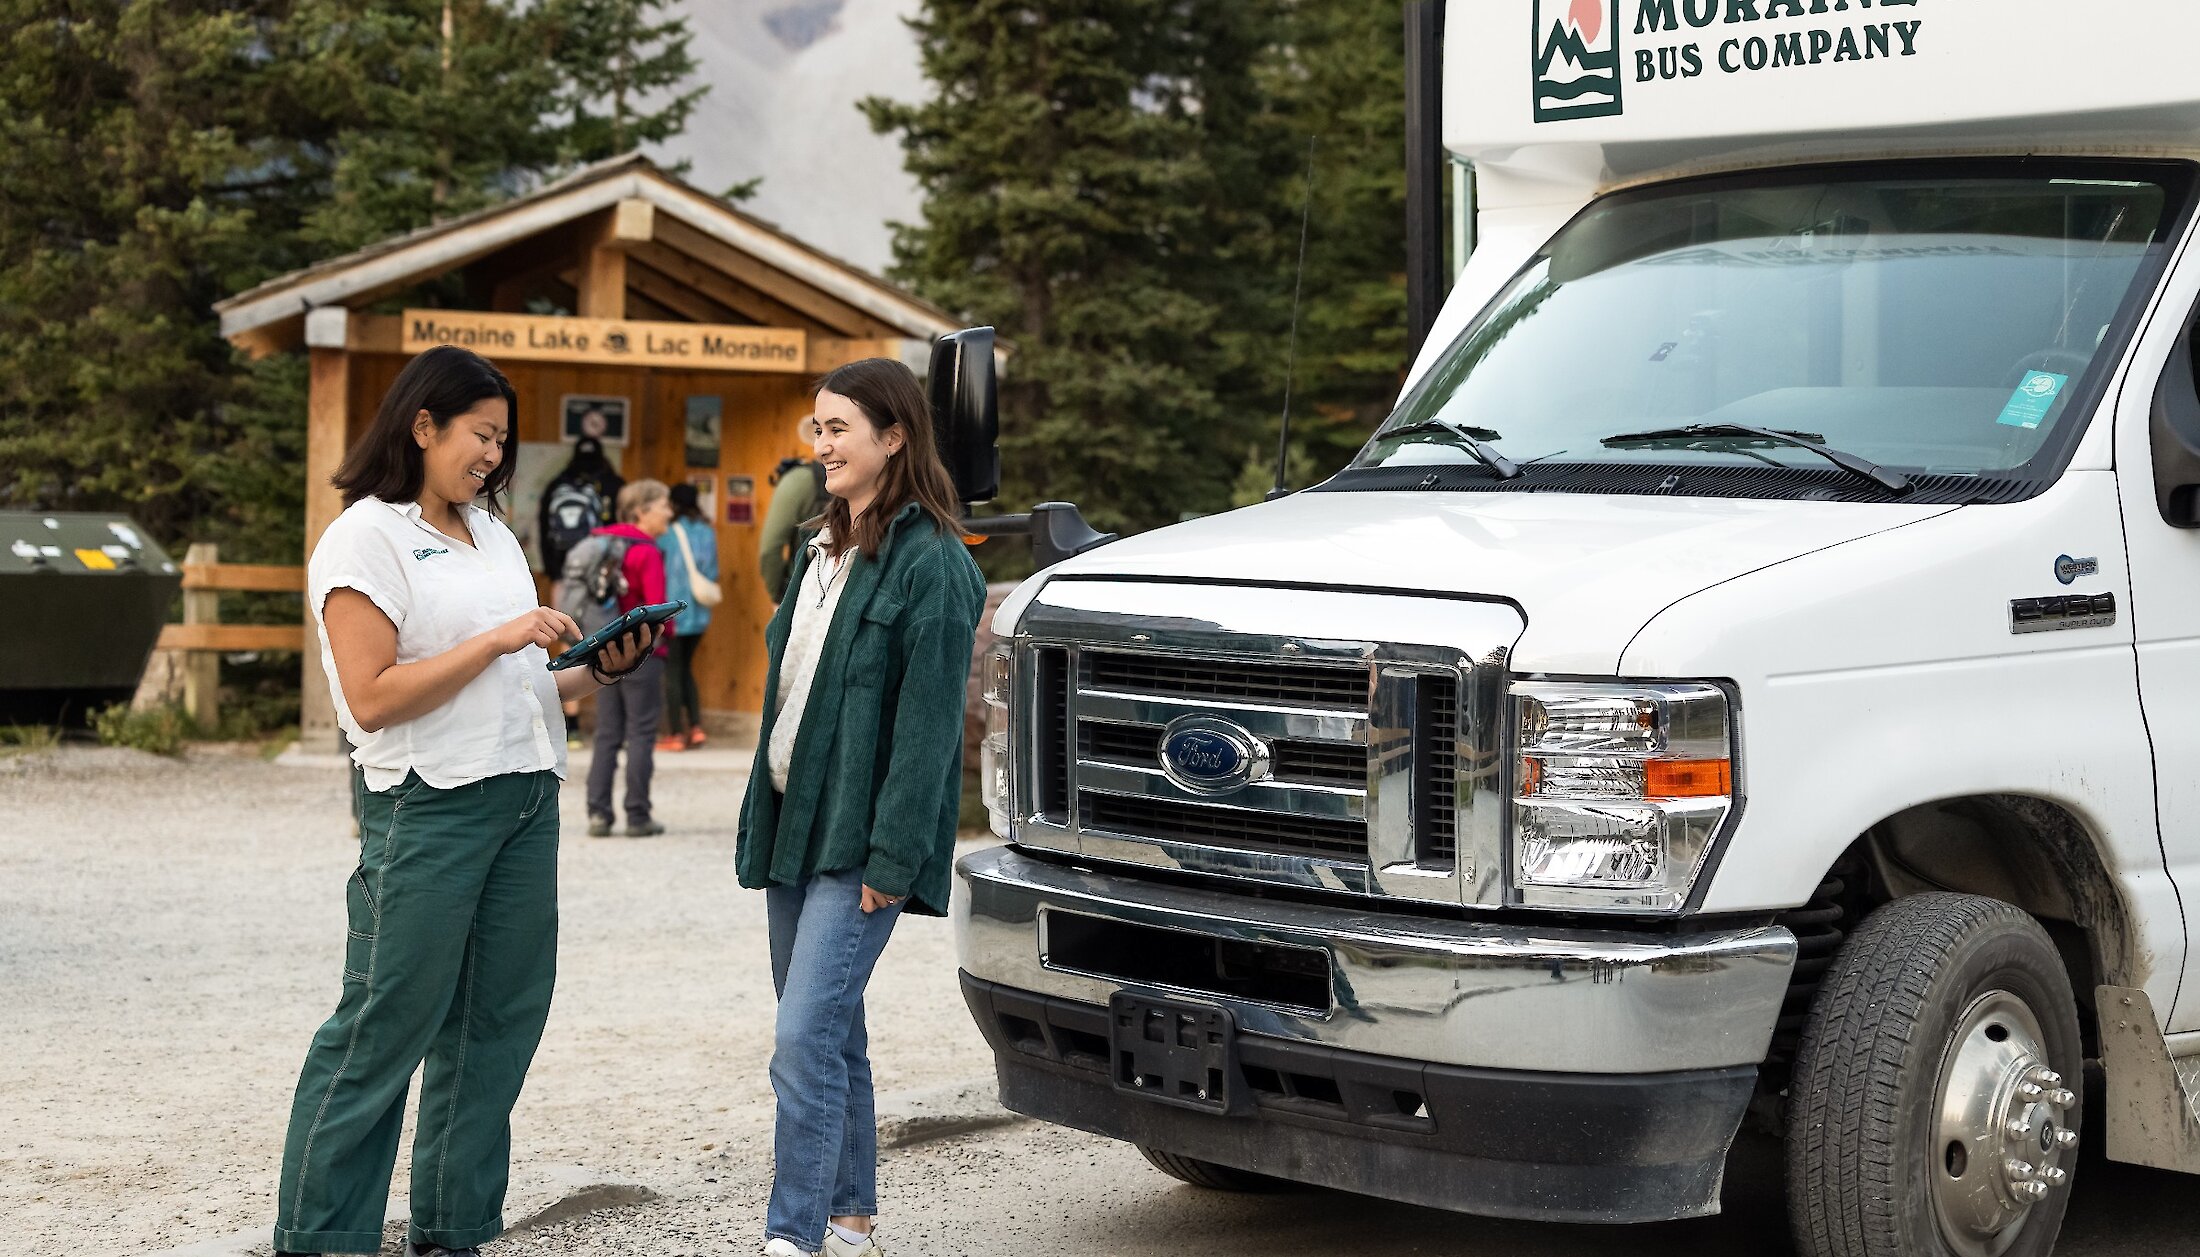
x=850 y=814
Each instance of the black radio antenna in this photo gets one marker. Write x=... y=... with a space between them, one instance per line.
x=1291 y=357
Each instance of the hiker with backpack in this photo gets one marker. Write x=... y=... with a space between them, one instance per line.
x=576 y=502
x=613 y=570
x=691 y=576
x=798 y=499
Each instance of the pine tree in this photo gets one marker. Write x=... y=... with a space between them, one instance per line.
x=157 y=155
x=1095 y=190
x=623 y=69
x=1338 y=77
x=126 y=201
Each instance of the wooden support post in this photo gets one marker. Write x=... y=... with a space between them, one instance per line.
x=603 y=284
x=328 y=403
x=202 y=669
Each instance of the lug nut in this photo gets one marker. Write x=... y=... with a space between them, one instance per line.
x=2017 y=1169
x=2066 y=1138
x=2031 y=1191
x=2018 y=1129
x=2053 y=1176
x=2061 y=1098
x=2031 y=1090
x=2044 y=1076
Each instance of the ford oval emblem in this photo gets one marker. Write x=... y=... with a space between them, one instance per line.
x=1210 y=755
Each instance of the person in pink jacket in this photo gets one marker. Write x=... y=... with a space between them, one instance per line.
x=629 y=714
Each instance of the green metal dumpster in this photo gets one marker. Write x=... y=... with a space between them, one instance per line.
x=82 y=601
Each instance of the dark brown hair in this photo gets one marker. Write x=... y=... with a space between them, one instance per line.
x=445 y=381
x=888 y=395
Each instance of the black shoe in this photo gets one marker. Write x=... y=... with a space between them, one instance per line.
x=644 y=829
x=599 y=827
x=414 y=1250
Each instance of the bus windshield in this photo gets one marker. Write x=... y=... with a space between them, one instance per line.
x=1938 y=325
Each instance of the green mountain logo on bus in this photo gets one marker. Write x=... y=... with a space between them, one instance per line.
x=1577 y=62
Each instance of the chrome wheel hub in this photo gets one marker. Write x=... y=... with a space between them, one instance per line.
x=2001 y=1126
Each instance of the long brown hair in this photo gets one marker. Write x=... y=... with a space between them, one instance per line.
x=888 y=395
x=445 y=381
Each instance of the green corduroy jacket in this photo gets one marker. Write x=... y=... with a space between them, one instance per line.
x=876 y=779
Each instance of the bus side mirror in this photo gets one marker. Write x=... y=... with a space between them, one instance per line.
x=2175 y=435
x=966 y=410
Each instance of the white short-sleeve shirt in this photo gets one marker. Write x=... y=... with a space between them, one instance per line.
x=440 y=592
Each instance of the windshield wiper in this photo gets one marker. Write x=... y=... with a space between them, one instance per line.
x=1476 y=440
x=1891 y=481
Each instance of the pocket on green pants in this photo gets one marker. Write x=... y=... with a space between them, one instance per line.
x=363 y=920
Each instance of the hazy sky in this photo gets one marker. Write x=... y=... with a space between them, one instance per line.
x=785 y=76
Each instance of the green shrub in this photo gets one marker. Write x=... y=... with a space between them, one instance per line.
x=160 y=730
x=23 y=739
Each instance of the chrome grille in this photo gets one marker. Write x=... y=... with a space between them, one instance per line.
x=1436 y=756
x=1051 y=750
x=1312 y=717
x=1380 y=756
x=1214 y=826
x=1302 y=684
x=1319 y=763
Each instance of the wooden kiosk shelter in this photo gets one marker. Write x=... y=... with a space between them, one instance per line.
x=693 y=331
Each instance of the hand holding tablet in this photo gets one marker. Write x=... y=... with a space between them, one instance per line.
x=583 y=653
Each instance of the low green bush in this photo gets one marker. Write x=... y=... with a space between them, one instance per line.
x=24 y=739
x=161 y=730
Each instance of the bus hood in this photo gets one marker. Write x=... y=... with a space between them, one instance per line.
x=1588 y=571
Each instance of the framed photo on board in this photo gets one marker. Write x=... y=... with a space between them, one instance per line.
x=705 y=415
x=603 y=418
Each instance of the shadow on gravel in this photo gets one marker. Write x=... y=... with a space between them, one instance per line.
x=2120 y=1211
x=586 y=1200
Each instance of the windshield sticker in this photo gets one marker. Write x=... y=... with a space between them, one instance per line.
x=2033 y=399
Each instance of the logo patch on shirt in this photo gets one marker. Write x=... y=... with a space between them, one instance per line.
x=428 y=553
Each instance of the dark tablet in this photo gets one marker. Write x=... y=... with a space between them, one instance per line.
x=582 y=653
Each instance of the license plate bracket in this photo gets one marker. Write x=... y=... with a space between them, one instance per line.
x=1173 y=1051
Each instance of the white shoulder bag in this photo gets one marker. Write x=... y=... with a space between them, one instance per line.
x=706 y=591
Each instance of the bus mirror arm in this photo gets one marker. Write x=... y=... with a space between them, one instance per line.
x=1057 y=531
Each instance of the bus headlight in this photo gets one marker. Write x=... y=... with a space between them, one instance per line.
x=1619 y=790
x=993 y=756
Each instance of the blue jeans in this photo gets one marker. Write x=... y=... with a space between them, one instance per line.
x=825 y=1143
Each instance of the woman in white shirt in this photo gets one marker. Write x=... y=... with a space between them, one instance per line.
x=436 y=654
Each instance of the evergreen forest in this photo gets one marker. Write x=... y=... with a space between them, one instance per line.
x=1117 y=185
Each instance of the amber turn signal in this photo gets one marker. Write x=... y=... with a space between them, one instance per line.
x=1687 y=778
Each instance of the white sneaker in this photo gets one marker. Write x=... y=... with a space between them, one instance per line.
x=776 y=1247
x=838 y=1247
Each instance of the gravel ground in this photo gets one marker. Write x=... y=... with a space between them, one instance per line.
x=171 y=932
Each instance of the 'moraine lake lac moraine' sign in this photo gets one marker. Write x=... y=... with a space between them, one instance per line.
x=618 y=342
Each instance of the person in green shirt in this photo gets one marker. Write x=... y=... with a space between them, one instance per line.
x=798 y=498
x=852 y=802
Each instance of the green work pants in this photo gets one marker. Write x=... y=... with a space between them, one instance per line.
x=450 y=958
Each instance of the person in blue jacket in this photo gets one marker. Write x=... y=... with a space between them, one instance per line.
x=691 y=550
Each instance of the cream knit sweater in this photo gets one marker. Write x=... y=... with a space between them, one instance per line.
x=813 y=617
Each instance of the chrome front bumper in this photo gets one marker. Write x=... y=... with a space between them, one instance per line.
x=1420 y=988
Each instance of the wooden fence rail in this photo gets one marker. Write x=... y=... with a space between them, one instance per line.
x=206 y=638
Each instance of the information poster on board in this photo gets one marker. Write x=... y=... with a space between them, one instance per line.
x=740 y=499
